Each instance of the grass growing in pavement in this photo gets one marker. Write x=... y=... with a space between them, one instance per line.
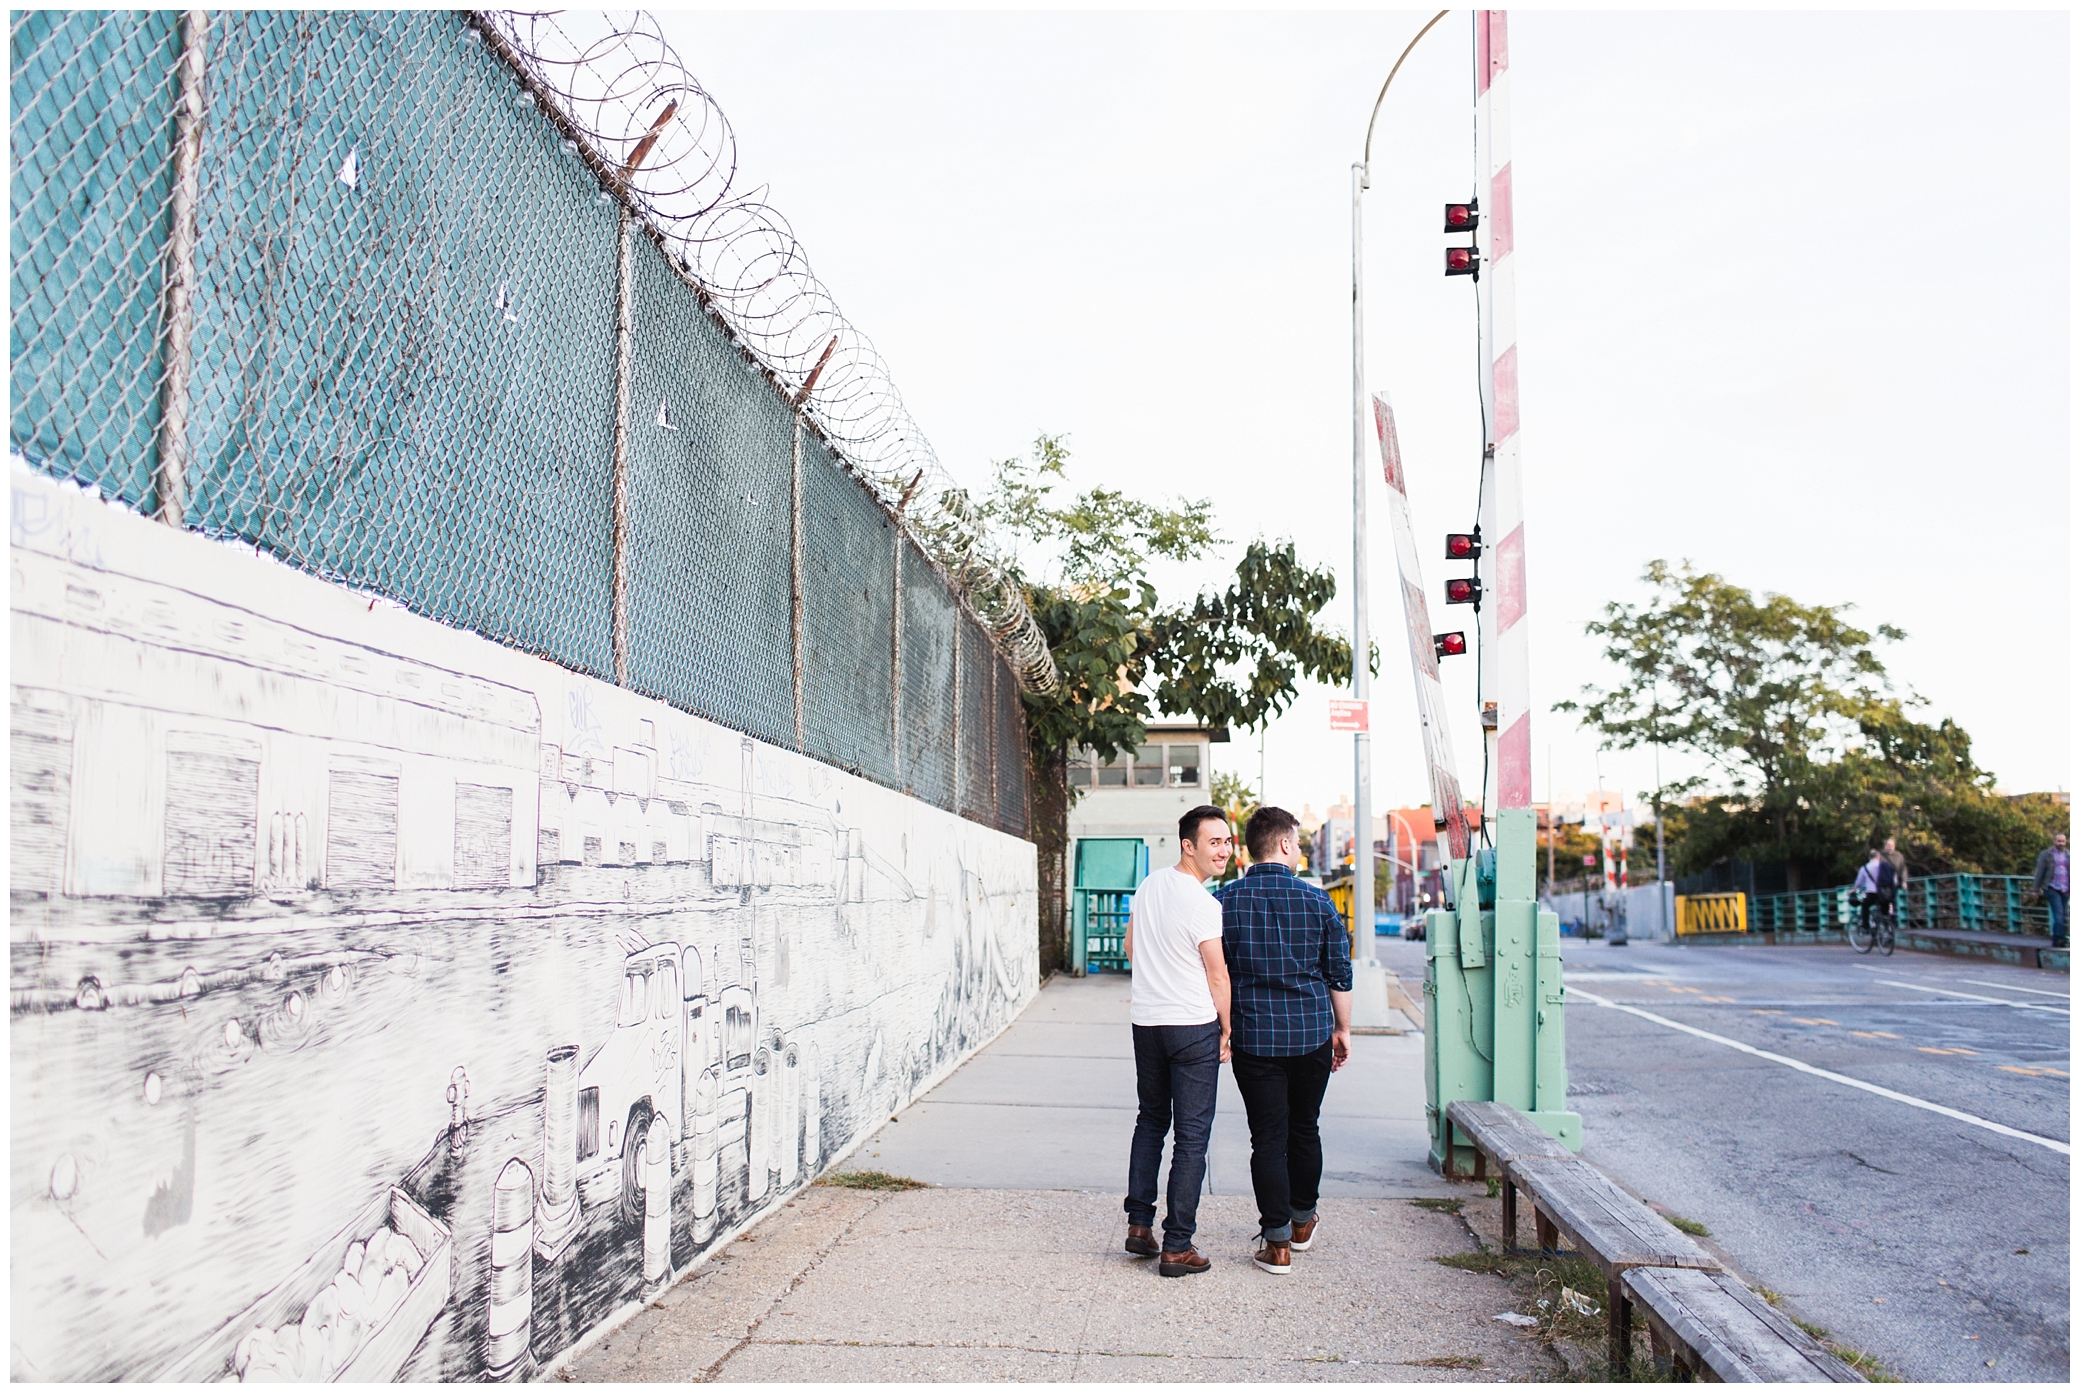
x=1689 y=1226
x=1436 y=1206
x=1865 y=1364
x=870 y=1180
x=1445 y=1361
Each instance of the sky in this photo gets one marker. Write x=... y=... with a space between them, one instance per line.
x=1793 y=305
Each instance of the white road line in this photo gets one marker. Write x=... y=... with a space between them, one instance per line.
x=2062 y=1148
x=1969 y=996
x=2011 y=987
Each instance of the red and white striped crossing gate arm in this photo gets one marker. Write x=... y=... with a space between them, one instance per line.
x=1447 y=801
x=1505 y=633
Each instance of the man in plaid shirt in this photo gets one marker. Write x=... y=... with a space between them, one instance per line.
x=1289 y=960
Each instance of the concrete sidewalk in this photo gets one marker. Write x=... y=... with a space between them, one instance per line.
x=1010 y=1265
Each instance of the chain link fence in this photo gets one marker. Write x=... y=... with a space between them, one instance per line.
x=334 y=285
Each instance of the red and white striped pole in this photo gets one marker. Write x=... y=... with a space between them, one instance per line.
x=1505 y=637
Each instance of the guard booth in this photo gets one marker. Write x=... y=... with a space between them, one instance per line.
x=1108 y=871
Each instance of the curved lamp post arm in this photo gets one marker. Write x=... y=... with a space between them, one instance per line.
x=1379 y=100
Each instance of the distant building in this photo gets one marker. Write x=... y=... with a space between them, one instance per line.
x=1142 y=793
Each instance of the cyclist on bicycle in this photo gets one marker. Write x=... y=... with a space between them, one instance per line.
x=1876 y=884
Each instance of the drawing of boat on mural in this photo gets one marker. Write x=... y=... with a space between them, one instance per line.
x=327 y=1323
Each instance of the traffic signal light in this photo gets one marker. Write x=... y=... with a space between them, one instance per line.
x=1464 y=590
x=1462 y=546
x=1462 y=261
x=1462 y=217
x=1449 y=645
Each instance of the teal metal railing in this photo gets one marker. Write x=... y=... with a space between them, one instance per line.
x=1974 y=903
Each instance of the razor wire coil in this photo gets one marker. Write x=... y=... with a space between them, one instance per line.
x=397 y=366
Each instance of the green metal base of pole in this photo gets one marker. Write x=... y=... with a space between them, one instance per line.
x=1496 y=1028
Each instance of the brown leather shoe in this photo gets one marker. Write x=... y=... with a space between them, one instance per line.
x=1275 y=1258
x=1184 y=1264
x=1303 y=1234
x=1141 y=1241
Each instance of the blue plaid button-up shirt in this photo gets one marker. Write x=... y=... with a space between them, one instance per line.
x=1287 y=949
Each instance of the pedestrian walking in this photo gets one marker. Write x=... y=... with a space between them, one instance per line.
x=1179 y=1009
x=1289 y=958
x=2053 y=881
x=1898 y=862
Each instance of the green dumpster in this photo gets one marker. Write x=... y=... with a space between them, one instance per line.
x=1108 y=870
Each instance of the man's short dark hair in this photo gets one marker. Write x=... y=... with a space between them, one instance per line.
x=1188 y=825
x=1266 y=826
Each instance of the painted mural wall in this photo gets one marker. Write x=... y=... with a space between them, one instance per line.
x=386 y=1004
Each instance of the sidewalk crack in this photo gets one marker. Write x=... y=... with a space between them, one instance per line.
x=709 y=1374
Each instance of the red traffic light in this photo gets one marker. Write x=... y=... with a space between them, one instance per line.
x=1462 y=591
x=1449 y=645
x=1462 y=546
x=1462 y=261
x=1462 y=217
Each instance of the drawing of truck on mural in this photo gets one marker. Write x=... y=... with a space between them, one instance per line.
x=634 y=1077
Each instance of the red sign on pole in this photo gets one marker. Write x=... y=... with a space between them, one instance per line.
x=1345 y=714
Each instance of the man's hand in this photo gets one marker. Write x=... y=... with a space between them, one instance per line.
x=1226 y=1052
x=1339 y=1048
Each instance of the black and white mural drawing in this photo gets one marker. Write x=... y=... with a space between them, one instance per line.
x=390 y=1005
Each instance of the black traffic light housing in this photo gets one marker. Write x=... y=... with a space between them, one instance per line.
x=1462 y=261
x=1449 y=645
x=1463 y=590
x=1462 y=546
x=1462 y=217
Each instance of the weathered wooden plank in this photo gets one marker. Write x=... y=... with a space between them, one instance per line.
x=1502 y=1133
x=1726 y=1332
x=1609 y=1226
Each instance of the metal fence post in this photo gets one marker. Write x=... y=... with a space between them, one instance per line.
x=794 y=587
x=624 y=352
x=895 y=651
x=959 y=700
x=189 y=111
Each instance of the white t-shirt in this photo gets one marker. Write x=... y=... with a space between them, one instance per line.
x=1173 y=915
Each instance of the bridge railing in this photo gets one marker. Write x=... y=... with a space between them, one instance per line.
x=1971 y=903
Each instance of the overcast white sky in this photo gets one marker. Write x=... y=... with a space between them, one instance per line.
x=1794 y=305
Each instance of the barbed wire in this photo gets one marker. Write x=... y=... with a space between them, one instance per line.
x=658 y=140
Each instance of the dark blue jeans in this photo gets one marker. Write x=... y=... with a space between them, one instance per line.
x=1283 y=1095
x=1178 y=1071
x=2056 y=899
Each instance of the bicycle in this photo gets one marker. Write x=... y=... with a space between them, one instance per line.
x=1875 y=926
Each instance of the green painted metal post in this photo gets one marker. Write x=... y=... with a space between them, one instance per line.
x=1497 y=1026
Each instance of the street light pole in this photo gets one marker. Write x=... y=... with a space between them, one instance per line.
x=1361 y=621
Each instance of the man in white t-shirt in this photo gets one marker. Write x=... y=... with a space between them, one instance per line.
x=1180 y=1015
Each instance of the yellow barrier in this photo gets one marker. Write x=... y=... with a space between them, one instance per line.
x=1341 y=893
x=1711 y=914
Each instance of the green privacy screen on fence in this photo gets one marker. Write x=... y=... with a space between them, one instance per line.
x=404 y=378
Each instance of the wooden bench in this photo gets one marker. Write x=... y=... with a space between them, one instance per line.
x=1608 y=1227
x=1710 y=1326
x=1500 y=1134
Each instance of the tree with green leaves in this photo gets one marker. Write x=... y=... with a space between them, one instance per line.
x=1232 y=659
x=1816 y=758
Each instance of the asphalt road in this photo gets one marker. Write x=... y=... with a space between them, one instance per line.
x=1938 y=1243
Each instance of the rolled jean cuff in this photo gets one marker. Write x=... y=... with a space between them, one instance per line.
x=1282 y=1234
x=1304 y=1217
